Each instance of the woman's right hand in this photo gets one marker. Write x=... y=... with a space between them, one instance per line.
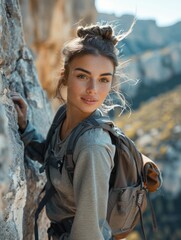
x=21 y=108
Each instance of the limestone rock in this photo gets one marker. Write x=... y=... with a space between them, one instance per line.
x=20 y=181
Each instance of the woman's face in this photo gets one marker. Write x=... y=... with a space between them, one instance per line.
x=88 y=83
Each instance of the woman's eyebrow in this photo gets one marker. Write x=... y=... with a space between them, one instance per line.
x=86 y=71
x=105 y=74
x=83 y=70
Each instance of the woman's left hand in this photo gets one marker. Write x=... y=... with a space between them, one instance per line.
x=21 y=108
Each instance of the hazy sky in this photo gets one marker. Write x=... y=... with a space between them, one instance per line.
x=165 y=12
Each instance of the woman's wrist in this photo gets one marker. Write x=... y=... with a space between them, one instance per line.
x=23 y=127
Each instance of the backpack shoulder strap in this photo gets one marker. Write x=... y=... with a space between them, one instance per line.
x=58 y=118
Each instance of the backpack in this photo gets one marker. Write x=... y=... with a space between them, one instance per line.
x=133 y=176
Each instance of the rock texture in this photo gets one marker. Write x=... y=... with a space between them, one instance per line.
x=20 y=182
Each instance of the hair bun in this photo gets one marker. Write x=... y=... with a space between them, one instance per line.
x=102 y=32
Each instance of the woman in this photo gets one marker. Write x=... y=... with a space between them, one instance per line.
x=90 y=62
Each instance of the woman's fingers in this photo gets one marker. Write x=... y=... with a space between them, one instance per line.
x=21 y=108
x=19 y=102
x=18 y=109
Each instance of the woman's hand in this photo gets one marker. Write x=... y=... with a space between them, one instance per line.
x=21 y=108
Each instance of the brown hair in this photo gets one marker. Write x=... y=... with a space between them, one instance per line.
x=93 y=39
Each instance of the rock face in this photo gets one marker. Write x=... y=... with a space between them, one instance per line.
x=47 y=26
x=20 y=182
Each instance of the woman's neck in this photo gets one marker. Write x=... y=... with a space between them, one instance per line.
x=73 y=118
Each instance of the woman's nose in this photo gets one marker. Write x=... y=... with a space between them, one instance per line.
x=91 y=87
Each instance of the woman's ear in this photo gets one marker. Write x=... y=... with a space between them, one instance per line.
x=63 y=77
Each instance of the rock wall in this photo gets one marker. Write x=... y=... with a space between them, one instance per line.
x=47 y=26
x=20 y=182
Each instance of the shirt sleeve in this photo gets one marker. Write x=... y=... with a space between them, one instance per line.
x=91 y=187
x=34 y=143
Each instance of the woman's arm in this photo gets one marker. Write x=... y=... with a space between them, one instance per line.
x=91 y=189
x=33 y=141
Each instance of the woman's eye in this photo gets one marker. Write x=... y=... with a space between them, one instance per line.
x=104 y=80
x=82 y=76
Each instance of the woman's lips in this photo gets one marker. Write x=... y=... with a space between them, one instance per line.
x=89 y=101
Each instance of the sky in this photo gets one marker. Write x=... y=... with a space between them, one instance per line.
x=165 y=12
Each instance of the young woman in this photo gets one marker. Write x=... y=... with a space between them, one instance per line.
x=90 y=62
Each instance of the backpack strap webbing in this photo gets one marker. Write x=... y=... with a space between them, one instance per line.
x=41 y=205
x=59 y=116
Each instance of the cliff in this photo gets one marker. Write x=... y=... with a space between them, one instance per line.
x=20 y=181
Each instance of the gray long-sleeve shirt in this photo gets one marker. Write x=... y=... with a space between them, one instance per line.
x=87 y=198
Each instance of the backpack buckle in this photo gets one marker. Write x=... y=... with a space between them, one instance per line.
x=60 y=165
x=42 y=169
